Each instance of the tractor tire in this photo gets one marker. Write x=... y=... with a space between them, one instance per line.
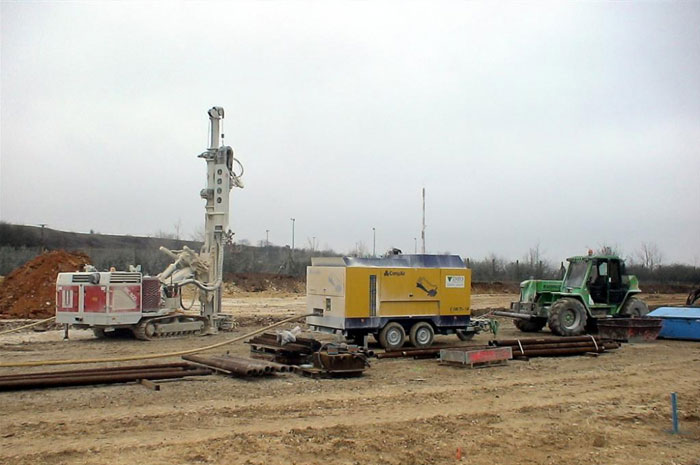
x=567 y=317
x=530 y=326
x=392 y=336
x=634 y=308
x=422 y=335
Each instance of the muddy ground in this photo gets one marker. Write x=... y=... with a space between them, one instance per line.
x=613 y=409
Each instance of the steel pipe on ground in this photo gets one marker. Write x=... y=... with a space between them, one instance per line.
x=262 y=367
x=559 y=352
x=95 y=371
x=544 y=340
x=232 y=366
x=414 y=349
x=423 y=352
x=273 y=365
x=560 y=348
x=561 y=345
x=103 y=378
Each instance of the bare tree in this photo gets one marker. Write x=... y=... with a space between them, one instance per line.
x=198 y=234
x=649 y=255
x=177 y=227
x=311 y=243
x=609 y=249
x=160 y=234
x=360 y=250
x=533 y=256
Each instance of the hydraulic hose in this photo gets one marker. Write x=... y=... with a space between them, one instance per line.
x=36 y=363
x=202 y=286
x=36 y=323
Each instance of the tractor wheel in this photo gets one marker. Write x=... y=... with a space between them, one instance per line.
x=392 y=336
x=634 y=308
x=530 y=326
x=567 y=317
x=422 y=335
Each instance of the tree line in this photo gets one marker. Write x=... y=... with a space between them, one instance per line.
x=18 y=244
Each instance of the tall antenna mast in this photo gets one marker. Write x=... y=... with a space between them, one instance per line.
x=422 y=232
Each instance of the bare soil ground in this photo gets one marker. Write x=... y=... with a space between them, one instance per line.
x=613 y=409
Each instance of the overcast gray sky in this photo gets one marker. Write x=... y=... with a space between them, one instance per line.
x=564 y=124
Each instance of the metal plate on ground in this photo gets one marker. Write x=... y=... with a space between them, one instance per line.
x=475 y=358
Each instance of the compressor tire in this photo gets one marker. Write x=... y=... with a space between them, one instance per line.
x=634 y=308
x=355 y=338
x=465 y=335
x=567 y=317
x=530 y=326
x=422 y=335
x=392 y=336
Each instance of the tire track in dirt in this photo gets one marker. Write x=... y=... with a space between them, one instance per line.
x=363 y=409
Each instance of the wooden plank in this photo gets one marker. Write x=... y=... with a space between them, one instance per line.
x=150 y=384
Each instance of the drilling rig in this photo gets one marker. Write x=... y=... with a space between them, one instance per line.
x=151 y=306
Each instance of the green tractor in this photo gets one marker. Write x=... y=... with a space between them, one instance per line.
x=594 y=286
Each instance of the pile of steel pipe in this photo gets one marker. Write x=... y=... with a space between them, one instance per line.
x=107 y=375
x=302 y=344
x=265 y=346
x=554 y=347
x=240 y=366
x=430 y=352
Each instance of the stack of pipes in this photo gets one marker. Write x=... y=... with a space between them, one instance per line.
x=430 y=352
x=106 y=375
x=553 y=347
x=528 y=347
x=266 y=346
x=240 y=366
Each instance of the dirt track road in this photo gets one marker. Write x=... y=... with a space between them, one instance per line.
x=607 y=410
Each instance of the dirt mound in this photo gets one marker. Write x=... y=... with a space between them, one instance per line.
x=264 y=282
x=30 y=290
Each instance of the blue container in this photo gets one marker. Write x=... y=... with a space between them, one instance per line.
x=679 y=322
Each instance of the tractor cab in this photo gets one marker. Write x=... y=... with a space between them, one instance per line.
x=601 y=277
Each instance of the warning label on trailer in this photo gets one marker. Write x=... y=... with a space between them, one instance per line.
x=454 y=281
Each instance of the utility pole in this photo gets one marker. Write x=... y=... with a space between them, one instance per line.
x=374 y=242
x=422 y=232
x=293 y=220
x=43 y=247
x=415 y=245
x=267 y=238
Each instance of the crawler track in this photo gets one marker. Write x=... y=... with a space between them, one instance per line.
x=162 y=327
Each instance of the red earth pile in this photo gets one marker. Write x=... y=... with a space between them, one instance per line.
x=30 y=290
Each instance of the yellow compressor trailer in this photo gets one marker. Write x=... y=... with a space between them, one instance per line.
x=390 y=298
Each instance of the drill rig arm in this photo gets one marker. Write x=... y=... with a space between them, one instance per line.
x=205 y=269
